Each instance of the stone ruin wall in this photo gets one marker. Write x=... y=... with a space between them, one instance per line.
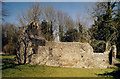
x=70 y=54
x=61 y=54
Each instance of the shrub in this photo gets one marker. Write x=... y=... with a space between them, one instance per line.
x=98 y=46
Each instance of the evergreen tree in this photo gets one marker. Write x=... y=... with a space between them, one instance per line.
x=60 y=33
x=104 y=30
x=117 y=24
x=80 y=33
x=71 y=36
x=47 y=31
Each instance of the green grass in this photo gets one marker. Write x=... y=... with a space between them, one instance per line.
x=8 y=56
x=118 y=59
x=10 y=69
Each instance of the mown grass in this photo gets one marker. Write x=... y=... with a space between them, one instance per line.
x=118 y=59
x=10 y=69
x=7 y=56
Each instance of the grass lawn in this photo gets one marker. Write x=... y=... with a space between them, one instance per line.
x=10 y=69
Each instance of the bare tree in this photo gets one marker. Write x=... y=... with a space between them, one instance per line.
x=69 y=23
x=3 y=15
x=50 y=16
x=60 y=20
x=33 y=14
x=82 y=24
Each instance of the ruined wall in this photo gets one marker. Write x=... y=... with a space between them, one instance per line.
x=70 y=54
x=28 y=42
x=35 y=50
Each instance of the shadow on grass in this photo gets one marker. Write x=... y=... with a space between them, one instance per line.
x=7 y=63
x=115 y=73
